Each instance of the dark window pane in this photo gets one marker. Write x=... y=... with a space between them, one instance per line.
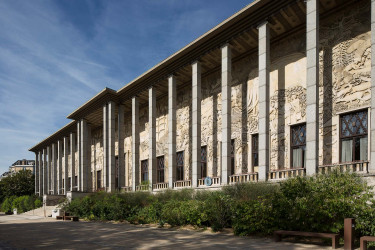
x=160 y=172
x=203 y=162
x=180 y=166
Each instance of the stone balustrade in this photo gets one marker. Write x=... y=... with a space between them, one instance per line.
x=358 y=167
x=240 y=178
x=142 y=188
x=216 y=181
x=286 y=173
x=126 y=189
x=160 y=186
x=182 y=184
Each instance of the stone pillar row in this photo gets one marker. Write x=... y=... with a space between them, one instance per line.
x=48 y=168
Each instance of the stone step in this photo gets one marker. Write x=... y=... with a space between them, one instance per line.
x=40 y=211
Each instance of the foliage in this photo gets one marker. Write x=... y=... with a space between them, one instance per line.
x=19 y=184
x=321 y=203
x=22 y=204
x=318 y=203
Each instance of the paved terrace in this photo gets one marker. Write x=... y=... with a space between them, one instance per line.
x=35 y=232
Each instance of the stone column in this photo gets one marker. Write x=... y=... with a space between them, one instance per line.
x=111 y=146
x=372 y=123
x=54 y=169
x=79 y=155
x=226 y=79
x=152 y=136
x=105 y=146
x=66 y=170
x=135 y=142
x=59 y=166
x=312 y=82
x=172 y=129
x=84 y=167
x=121 y=137
x=196 y=122
x=72 y=160
x=264 y=96
x=36 y=174
x=48 y=165
x=41 y=174
x=45 y=176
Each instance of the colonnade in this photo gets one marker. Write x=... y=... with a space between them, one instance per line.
x=49 y=179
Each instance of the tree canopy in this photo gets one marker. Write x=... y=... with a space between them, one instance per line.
x=19 y=184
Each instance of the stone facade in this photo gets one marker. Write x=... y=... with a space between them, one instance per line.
x=344 y=86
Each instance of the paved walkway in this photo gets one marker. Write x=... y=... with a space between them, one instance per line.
x=34 y=232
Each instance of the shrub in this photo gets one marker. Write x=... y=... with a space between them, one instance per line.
x=320 y=203
x=218 y=207
x=179 y=213
x=250 y=191
x=22 y=204
x=254 y=217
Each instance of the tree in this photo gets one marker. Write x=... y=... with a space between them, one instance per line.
x=21 y=183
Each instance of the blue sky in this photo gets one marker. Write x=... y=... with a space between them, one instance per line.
x=56 y=54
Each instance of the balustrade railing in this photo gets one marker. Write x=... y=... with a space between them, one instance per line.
x=286 y=173
x=142 y=188
x=358 y=167
x=216 y=181
x=239 y=178
x=182 y=184
x=159 y=186
x=126 y=189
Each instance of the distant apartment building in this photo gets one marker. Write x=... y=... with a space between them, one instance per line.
x=22 y=165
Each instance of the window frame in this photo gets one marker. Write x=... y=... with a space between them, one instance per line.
x=232 y=157
x=143 y=172
x=254 y=150
x=204 y=169
x=180 y=167
x=303 y=146
x=159 y=169
x=353 y=137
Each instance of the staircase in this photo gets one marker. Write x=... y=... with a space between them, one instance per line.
x=40 y=211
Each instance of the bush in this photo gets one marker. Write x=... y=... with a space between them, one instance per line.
x=179 y=213
x=321 y=203
x=254 y=217
x=317 y=204
x=218 y=207
x=22 y=203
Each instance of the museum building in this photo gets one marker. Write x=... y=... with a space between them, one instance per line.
x=280 y=89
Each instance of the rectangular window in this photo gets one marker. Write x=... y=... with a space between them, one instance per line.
x=232 y=162
x=255 y=150
x=116 y=171
x=180 y=166
x=160 y=172
x=69 y=183
x=204 y=162
x=76 y=180
x=99 y=179
x=353 y=136
x=298 y=145
x=144 y=170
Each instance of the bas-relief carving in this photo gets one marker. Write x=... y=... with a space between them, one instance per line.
x=348 y=70
x=183 y=128
x=344 y=84
x=345 y=68
x=143 y=134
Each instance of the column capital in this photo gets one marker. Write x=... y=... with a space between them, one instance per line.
x=262 y=24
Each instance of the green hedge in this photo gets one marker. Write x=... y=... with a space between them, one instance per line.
x=317 y=204
x=23 y=203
